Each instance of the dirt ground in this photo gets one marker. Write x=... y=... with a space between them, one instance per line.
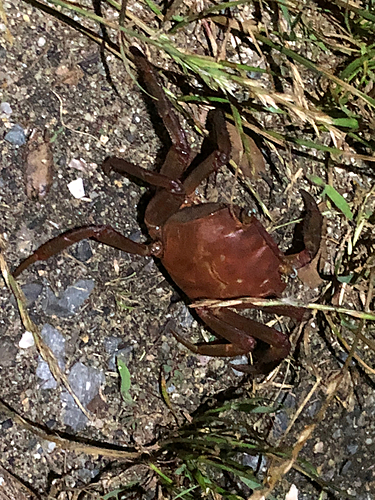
x=53 y=78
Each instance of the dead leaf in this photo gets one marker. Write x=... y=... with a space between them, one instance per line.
x=69 y=76
x=39 y=166
x=251 y=162
x=309 y=274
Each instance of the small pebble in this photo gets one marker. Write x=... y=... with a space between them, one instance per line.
x=5 y=108
x=318 y=448
x=8 y=352
x=352 y=448
x=76 y=188
x=82 y=251
x=7 y=424
x=42 y=41
x=16 y=136
x=292 y=493
x=51 y=446
x=27 y=340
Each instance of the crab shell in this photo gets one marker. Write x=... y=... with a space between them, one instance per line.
x=213 y=251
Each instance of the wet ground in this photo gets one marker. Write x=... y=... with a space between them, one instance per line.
x=103 y=301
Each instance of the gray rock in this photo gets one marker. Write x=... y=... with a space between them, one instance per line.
x=280 y=424
x=111 y=345
x=32 y=291
x=56 y=342
x=16 y=136
x=5 y=108
x=352 y=448
x=82 y=251
x=345 y=468
x=256 y=462
x=71 y=300
x=85 y=382
x=186 y=318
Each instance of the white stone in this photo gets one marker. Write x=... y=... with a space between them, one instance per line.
x=27 y=340
x=41 y=41
x=76 y=188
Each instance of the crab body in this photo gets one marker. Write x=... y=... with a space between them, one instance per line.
x=209 y=253
x=211 y=250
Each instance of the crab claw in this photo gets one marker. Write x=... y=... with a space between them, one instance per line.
x=312 y=234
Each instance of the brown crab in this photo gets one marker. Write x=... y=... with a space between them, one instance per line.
x=211 y=250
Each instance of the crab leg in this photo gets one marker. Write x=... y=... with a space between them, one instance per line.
x=124 y=167
x=218 y=158
x=241 y=333
x=102 y=234
x=233 y=341
x=180 y=151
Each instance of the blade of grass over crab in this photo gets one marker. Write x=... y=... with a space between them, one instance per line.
x=280 y=302
x=334 y=196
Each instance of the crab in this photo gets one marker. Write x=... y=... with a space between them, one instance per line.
x=209 y=250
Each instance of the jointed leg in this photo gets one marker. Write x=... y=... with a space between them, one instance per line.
x=173 y=186
x=218 y=158
x=103 y=234
x=168 y=115
x=241 y=333
x=233 y=341
x=165 y=202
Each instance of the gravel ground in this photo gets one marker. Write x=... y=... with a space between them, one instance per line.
x=53 y=78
